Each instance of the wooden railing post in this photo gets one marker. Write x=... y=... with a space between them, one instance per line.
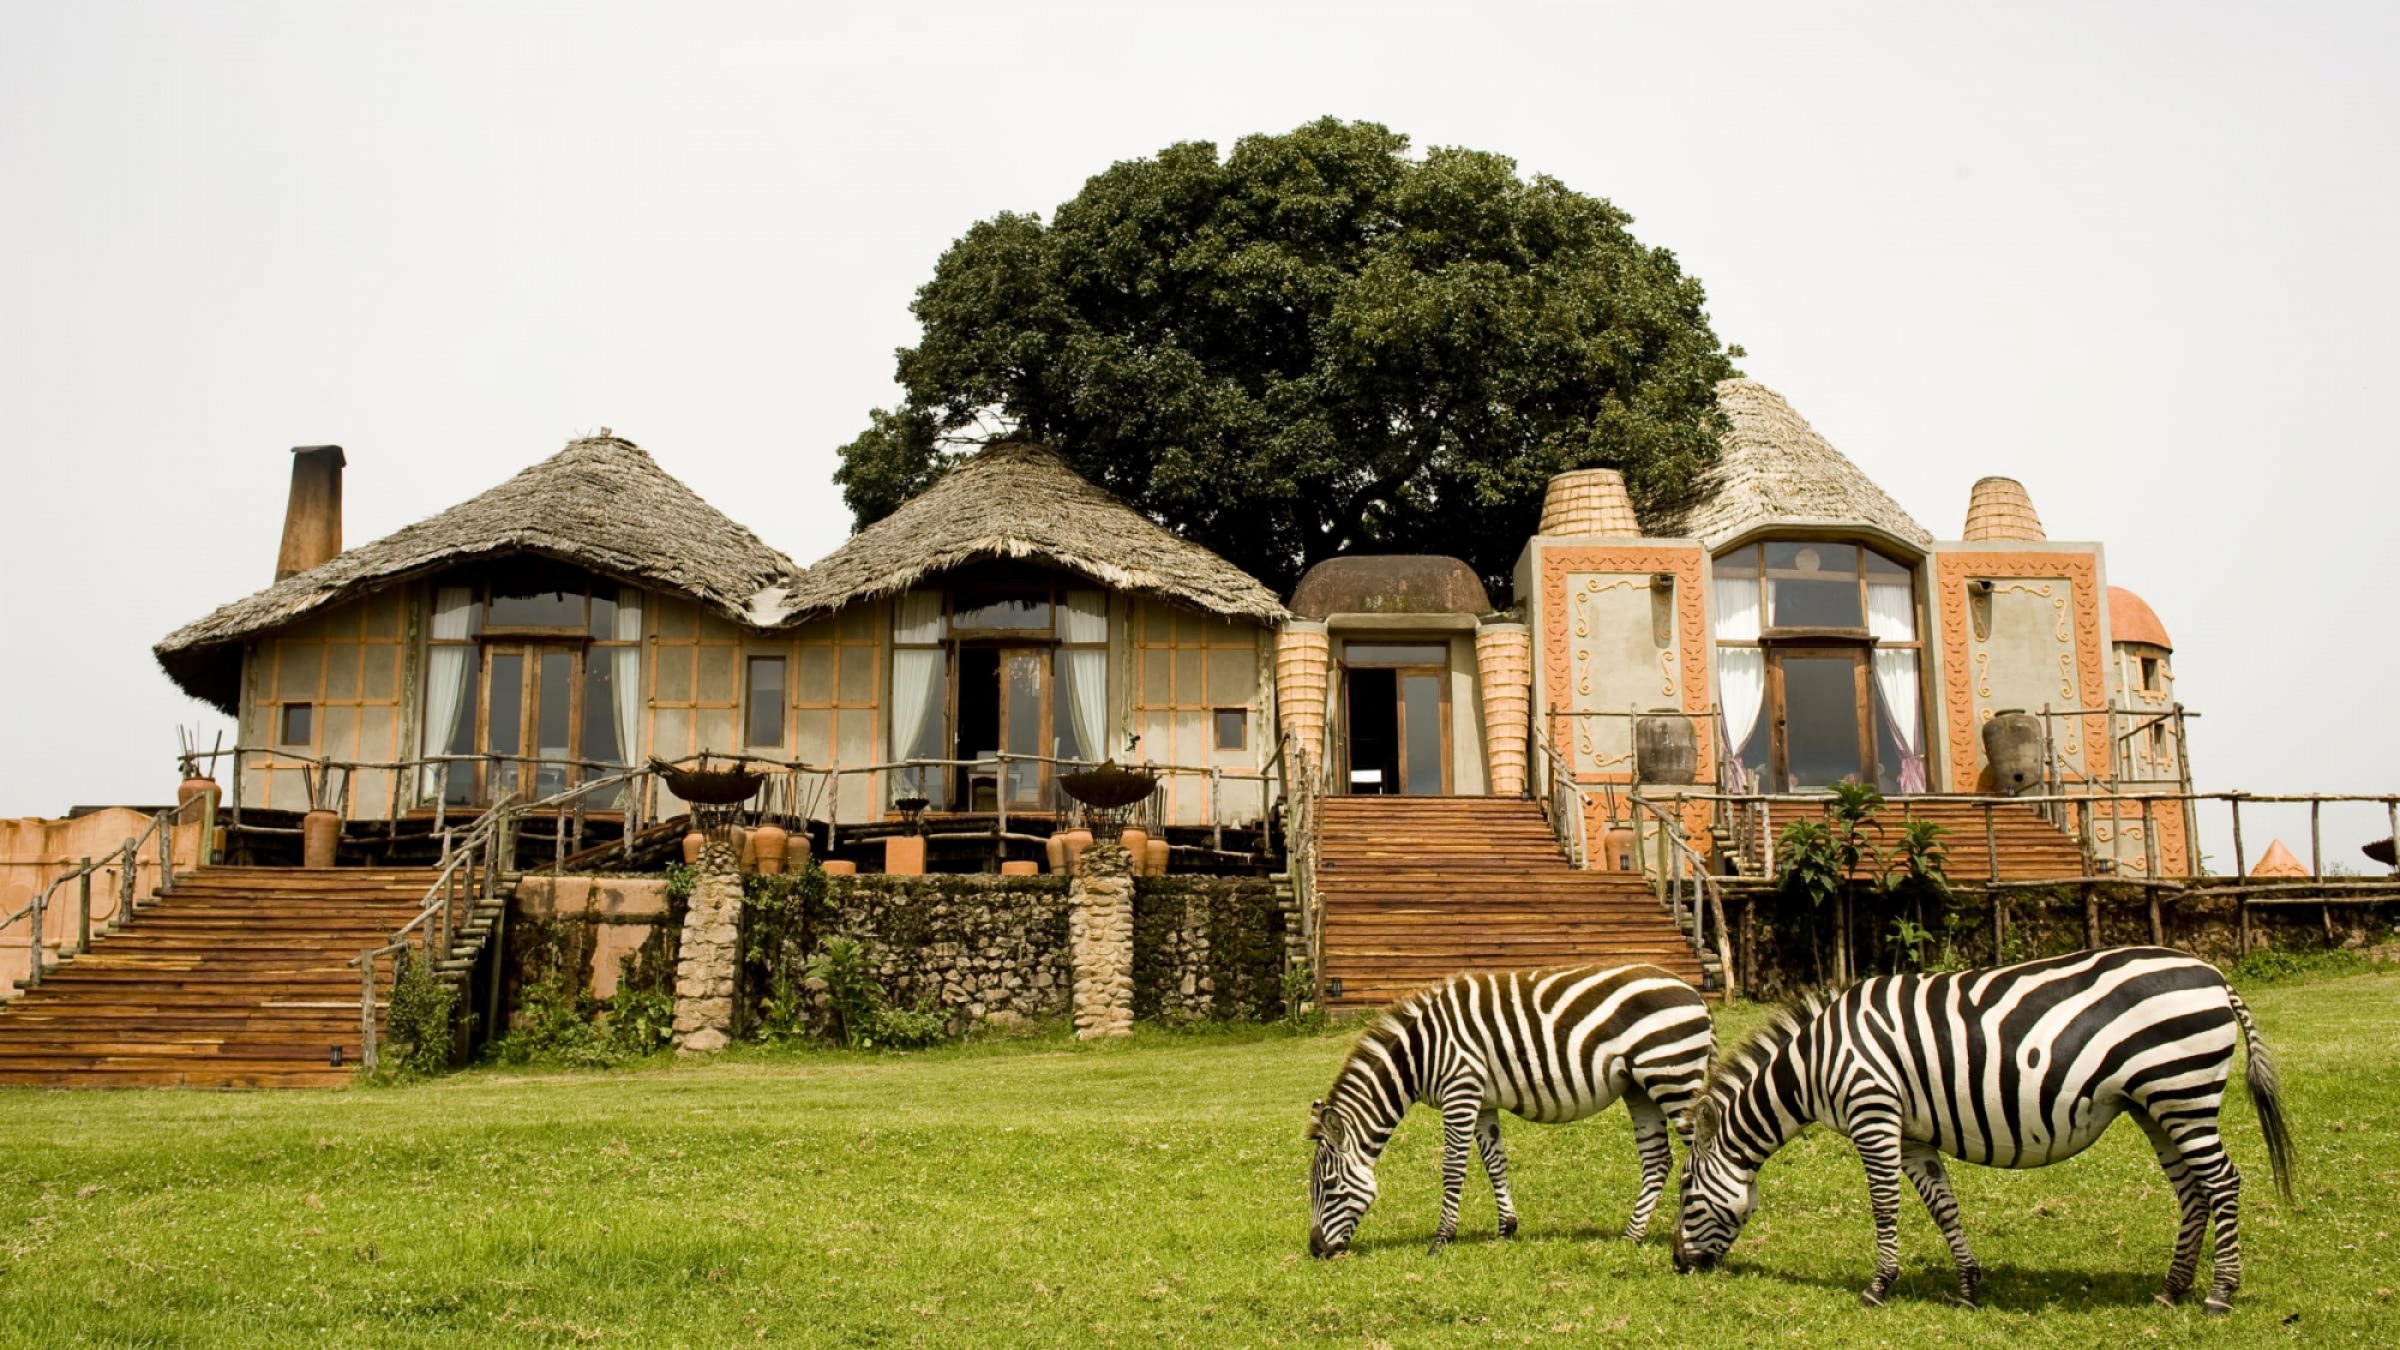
x=83 y=909
x=2241 y=874
x=2158 y=931
x=33 y=965
x=366 y=1013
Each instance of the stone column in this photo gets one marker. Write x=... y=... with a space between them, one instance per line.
x=1100 y=940
x=1504 y=669
x=1303 y=653
x=710 y=957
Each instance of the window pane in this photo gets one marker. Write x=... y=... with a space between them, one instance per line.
x=1820 y=708
x=505 y=726
x=537 y=595
x=1233 y=728
x=1021 y=685
x=299 y=725
x=763 y=696
x=555 y=708
x=1421 y=712
x=1012 y=613
x=1814 y=586
x=1396 y=653
x=604 y=613
x=600 y=710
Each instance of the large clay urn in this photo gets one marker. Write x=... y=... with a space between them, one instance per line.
x=194 y=788
x=320 y=831
x=1665 y=749
x=1155 y=856
x=770 y=848
x=840 y=867
x=2012 y=742
x=1137 y=847
x=693 y=843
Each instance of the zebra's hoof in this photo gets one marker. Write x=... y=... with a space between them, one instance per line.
x=1508 y=1225
x=2165 y=1298
x=2216 y=1307
x=1870 y=1298
x=1436 y=1248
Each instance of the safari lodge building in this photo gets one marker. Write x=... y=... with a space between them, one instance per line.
x=1792 y=628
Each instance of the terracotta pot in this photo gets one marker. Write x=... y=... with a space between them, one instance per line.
x=1055 y=849
x=904 y=855
x=193 y=788
x=1137 y=847
x=1154 y=858
x=692 y=844
x=1020 y=867
x=770 y=845
x=1075 y=842
x=1618 y=847
x=320 y=831
x=840 y=867
x=743 y=857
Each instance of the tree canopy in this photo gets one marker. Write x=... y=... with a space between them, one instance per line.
x=1317 y=344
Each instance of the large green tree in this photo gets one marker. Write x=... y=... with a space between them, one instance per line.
x=1315 y=345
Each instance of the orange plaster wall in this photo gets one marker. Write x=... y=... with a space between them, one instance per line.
x=1962 y=724
x=1689 y=566
x=35 y=851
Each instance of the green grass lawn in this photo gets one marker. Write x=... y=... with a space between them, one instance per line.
x=1042 y=1193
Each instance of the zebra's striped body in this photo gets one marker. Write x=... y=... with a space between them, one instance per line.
x=1550 y=1046
x=2013 y=1066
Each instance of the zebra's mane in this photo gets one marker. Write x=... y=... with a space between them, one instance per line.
x=1740 y=1065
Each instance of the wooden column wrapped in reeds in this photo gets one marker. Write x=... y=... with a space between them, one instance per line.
x=1303 y=655
x=1588 y=503
x=2000 y=510
x=1504 y=667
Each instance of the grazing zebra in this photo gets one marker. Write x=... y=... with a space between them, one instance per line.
x=2012 y=1066
x=1551 y=1046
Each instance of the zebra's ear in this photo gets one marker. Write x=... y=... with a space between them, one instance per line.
x=1316 y=1121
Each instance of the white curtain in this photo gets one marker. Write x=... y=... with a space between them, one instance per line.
x=446 y=670
x=1083 y=674
x=627 y=677
x=1741 y=673
x=1084 y=617
x=1896 y=682
x=917 y=716
x=1742 y=691
x=918 y=618
x=1891 y=610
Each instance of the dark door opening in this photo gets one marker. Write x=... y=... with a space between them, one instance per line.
x=978 y=727
x=1372 y=698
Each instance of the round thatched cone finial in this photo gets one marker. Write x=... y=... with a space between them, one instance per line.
x=1589 y=502
x=1998 y=509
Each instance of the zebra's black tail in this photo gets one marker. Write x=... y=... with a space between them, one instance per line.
x=2266 y=1094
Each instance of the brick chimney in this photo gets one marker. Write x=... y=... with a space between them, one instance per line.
x=312 y=519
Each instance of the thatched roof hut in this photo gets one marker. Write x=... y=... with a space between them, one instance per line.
x=601 y=504
x=1020 y=501
x=1777 y=473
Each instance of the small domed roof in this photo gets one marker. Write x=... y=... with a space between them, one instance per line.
x=1393 y=583
x=2130 y=619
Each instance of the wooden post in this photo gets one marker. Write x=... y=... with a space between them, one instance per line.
x=2158 y=931
x=1999 y=926
x=2091 y=916
x=33 y=964
x=1216 y=815
x=2241 y=873
x=125 y=906
x=206 y=851
x=499 y=944
x=2316 y=862
x=166 y=859
x=83 y=909
x=366 y=1013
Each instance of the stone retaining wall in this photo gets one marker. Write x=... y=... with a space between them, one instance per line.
x=1209 y=948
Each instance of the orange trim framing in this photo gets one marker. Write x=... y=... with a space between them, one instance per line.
x=1952 y=572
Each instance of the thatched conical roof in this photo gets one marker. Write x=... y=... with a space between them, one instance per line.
x=602 y=503
x=1777 y=472
x=1019 y=501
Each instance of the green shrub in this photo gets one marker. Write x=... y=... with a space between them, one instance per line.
x=2275 y=966
x=419 y=1029
x=909 y=1028
x=847 y=966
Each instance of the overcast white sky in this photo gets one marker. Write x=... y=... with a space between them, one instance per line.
x=2138 y=256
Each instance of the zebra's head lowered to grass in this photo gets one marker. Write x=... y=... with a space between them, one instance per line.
x=1737 y=1124
x=1341 y=1181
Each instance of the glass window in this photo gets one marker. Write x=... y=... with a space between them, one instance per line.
x=1422 y=767
x=537 y=595
x=1016 y=613
x=604 y=613
x=600 y=709
x=1396 y=653
x=763 y=697
x=298 y=725
x=1233 y=728
x=1813 y=585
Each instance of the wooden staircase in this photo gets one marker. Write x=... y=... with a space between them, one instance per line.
x=1417 y=888
x=2027 y=845
x=238 y=977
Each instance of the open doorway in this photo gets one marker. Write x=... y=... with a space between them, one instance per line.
x=1003 y=704
x=1396 y=719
